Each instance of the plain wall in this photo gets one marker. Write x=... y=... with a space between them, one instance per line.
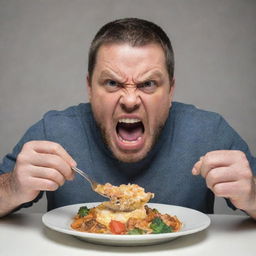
x=44 y=46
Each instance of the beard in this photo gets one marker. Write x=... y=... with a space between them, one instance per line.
x=129 y=156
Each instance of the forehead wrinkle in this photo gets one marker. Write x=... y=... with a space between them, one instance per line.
x=149 y=74
x=115 y=74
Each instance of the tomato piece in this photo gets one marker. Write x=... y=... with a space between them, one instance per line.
x=117 y=227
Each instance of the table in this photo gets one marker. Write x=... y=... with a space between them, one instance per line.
x=25 y=234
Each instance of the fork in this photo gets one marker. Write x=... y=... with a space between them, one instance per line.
x=112 y=204
x=92 y=182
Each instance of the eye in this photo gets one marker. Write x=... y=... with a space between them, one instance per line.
x=147 y=86
x=111 y=85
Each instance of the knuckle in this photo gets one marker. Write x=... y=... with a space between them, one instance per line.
x=59 y=168
x=61 y=181
x=213 y=175
x=246 y=163
x=27 y=146
x=247 y=174
x=209 y=184
x=241 y=156
x=55 y=147
x=52 y=161
x=56 y=177
x=53 y=175
x=208 y=159
x=207 y=156
x=218 y=190
x=244 y=171
x=22 y=157
x=51 y=185
x=246 y=190
x=241 y=189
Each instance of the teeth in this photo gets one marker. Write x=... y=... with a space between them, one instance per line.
x=128 y=141
x=129 y=120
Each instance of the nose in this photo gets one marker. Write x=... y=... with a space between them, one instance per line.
x=130 y=100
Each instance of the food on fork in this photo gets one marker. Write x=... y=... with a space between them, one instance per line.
x=126 y=213
x=124 y=197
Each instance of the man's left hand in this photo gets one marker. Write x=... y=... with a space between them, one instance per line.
x=228 y=174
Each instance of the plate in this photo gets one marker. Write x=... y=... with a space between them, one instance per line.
x=193 y=221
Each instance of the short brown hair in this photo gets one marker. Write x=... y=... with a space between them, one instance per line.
x=136 y=32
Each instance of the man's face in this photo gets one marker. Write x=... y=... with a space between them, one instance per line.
x=130 y=94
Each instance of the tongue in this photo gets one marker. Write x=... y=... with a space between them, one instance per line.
x=130 y=135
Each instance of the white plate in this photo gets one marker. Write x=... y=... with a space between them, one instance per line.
x=193 y=221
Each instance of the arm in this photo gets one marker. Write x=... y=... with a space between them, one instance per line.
x=40 y=166
x=6 y=204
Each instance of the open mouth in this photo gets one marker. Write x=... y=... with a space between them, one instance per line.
x=130 y=130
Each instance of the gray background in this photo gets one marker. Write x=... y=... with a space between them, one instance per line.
x=43 y=58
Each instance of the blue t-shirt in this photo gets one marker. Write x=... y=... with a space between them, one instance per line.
x=188 y=134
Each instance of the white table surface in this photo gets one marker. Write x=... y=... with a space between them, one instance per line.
x=25 y=234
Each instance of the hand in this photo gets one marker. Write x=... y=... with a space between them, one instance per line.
x=40 y=166
x=228 y=174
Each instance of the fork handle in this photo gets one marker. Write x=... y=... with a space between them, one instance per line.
x=84 y=175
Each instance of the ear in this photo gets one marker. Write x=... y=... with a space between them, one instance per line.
x=89 y=87
x=172 y=88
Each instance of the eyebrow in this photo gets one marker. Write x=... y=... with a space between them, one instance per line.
x=150 y=74
x=145 y=76
x=109 y=73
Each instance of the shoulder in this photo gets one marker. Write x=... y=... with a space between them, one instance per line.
x=69 y=117
x=70 y=112
x=190 y=114
x=192 y=122
x=59 y=125
x=204 y=126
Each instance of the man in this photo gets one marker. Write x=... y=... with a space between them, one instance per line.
x=131 y=132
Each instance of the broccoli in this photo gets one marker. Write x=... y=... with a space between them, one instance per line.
x=158 y=226
x=136 y=231
x=83 y=211
x=155 y=210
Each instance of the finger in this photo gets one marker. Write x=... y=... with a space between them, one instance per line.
x=220 y=175
x=223 y=158
x=207 y=163
x=197 y=168
x=215 y=159
x=40 y=184
x=49 y=147
x=48 y=173
x=53 y=162
x=227 y=189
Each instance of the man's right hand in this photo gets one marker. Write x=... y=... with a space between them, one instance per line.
x=40 y=166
